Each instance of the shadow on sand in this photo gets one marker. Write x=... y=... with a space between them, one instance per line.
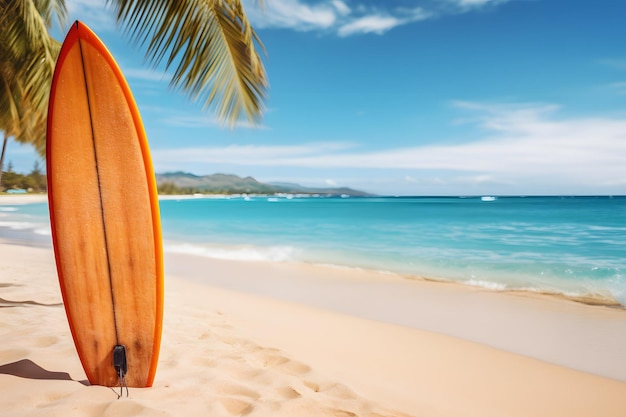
x=25 y=368
x=8 y=303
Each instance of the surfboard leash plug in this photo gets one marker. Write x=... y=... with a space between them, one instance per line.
x=121 y=367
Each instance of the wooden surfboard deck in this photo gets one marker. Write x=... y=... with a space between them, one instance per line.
x=104 y=213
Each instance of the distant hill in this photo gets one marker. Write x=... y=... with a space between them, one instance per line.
x=186 y=183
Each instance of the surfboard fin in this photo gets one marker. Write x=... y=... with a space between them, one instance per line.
x=121 y=366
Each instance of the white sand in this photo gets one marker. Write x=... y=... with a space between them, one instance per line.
x=22 y=198
x=238 y=340
x=559 y=331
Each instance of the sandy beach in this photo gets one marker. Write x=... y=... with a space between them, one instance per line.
x=286 y=339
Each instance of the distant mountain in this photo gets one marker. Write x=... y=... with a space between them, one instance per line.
x=292 y=188
x=186 y=183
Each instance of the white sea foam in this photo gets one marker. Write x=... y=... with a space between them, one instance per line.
x=43 y=231
x=18 y=225
x=8 y=208
x=490 y=285
x=619 y=295
x=618 y=288
x=238 y=253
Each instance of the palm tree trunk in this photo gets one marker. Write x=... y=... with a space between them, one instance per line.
x=4 y=148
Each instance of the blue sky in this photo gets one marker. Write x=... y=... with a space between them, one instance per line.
x=408 y=97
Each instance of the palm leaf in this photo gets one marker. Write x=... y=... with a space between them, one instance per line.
x=212 y=46
x=27 y=59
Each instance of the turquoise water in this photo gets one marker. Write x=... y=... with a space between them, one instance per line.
x=568 y=245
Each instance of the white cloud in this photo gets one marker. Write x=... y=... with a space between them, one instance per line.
x=295 y=14
x=262 y=155
x=380 y=22
x=335 y=16
x=465 y=4
x=342 y=8
x=369 y=24
x=520 y=144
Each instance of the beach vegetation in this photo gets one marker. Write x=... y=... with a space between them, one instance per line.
x=169 y=188
x=209 y=44
x=34 y=181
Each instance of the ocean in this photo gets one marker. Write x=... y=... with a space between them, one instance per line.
x=569 y=246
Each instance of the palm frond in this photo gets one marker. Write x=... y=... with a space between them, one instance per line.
x=41 y=49
x=212 y=46
x=27 y=59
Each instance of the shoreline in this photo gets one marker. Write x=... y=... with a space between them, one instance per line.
x=239 y=340
x=594 y=300
x=591 y=299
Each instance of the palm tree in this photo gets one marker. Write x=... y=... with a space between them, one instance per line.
x=27 y=59
x=210 y=43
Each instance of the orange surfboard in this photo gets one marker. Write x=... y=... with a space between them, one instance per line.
x=104 y=215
